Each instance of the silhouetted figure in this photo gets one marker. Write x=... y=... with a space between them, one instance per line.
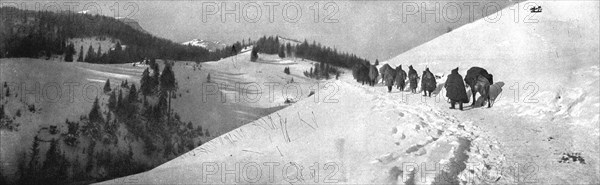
x=455 y=89
x=413 y=77
x=428 y=83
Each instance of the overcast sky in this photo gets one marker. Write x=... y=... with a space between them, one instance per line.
x=370 y=29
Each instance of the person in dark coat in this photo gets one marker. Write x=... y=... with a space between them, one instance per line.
x=400 y=79
x=428 y=83
x=373 y=73
x=413 y=78
x=455 y=89
x=388 y=78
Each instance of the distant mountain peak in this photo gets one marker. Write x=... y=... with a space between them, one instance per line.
x=209 y=45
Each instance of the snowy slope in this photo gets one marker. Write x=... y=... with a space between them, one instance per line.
x=213 y=113
x=370 y=136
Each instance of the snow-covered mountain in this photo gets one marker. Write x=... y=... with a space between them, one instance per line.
x=210 y=45
x=543 y=128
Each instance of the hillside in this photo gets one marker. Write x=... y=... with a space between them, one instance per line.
x=544 y=130
x=33 y=34
x=242 y=95
x=133 y=23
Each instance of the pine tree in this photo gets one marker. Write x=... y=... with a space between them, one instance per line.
x=55 y=165
x=2 y=115
x=155 y=73
x=286 y=70
x=90 y=156
x=112 y=101
x=118 y=47
x=145 y=83
x=95 y=115
x=90 y=57
x=120 y=102
x=190 y=126
x=35 y=152
x=208 y=78
x=162 y=104
x=288 y=49
x=281 y=52
x=254 y=54
x=107 y=86
x=99 y=52
x=132 y=94
x=70 y=51
x=80 y=58
x=7 y=93
x=168 y=85
x=376 y=62
x=101 y=58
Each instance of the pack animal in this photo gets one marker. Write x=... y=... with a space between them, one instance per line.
x=479 y=80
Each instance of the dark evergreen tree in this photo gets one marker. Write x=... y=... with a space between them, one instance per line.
x=288 y=48
x=146 y=83
x=35 y=156
x=254 y=54
x=90 y=156
x=69 y=52
x=133 y=97
x=55 y=166
x=281 y=52
x=2 y=115
x=80 y=58
x=7 y=93
x=118 y=46
x=162 y=105
x=90 y=57
x=120 y=102
x=95 y=115
x=376 y=62
x=155 y=74
x=168 y=85
x=99 y=52
x=286 y=70
x=112 y=101
x=107 y=86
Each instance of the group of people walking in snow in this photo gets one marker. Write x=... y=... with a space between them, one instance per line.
x=478 y=79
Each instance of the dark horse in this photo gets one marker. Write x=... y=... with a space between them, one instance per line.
x=479 y=80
